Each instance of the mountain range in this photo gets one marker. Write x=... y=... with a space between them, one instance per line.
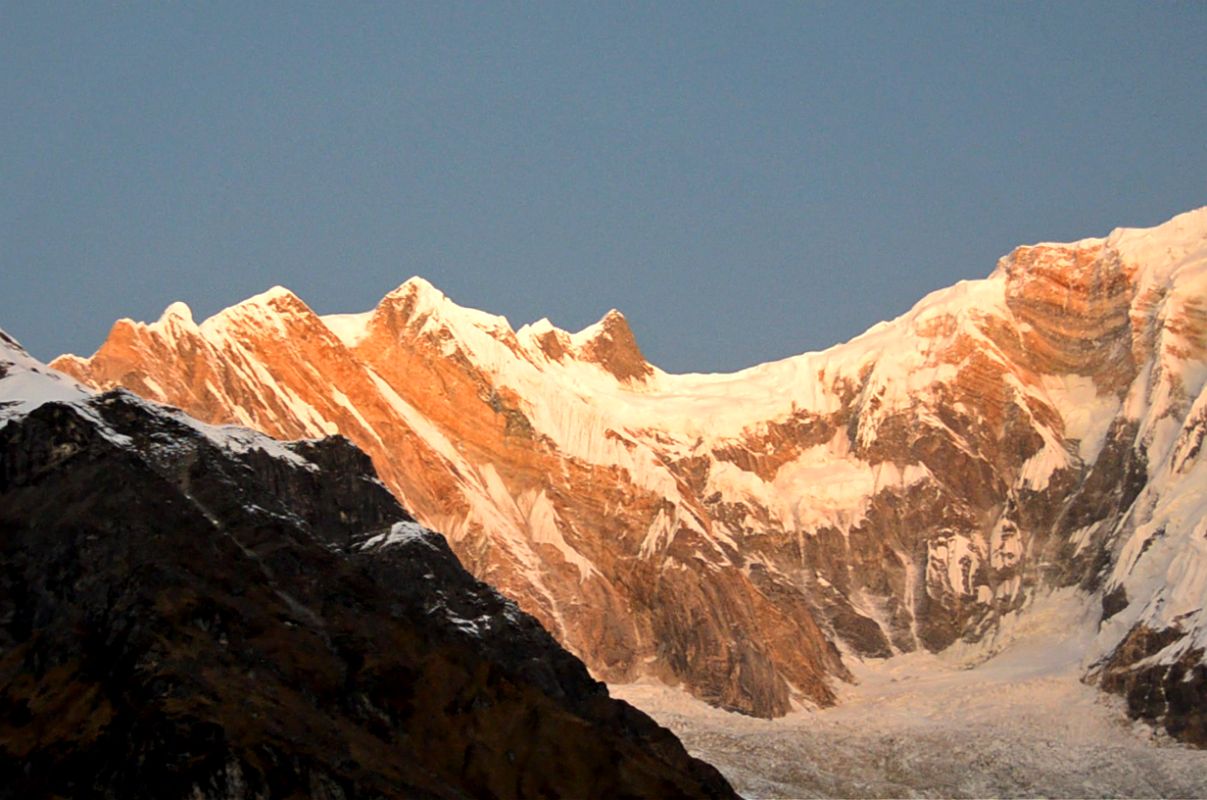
x=745 y=535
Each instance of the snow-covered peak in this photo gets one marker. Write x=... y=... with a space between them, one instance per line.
x=277 y=298
x=610 y=344
x=419 y=295
x=26 y=383
x=417 y=285
x=1160 y=252
x=1187 y=228
x=1156 y=252
x=422 y=303
x=177 y=311
x=264 y=310
x=610 y=320
x=539 y=328
x=10 y=349
x=544 y=339
x=268 y=296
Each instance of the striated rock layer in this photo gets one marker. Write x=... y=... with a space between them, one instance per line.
x=199 y=612
x=739 y=533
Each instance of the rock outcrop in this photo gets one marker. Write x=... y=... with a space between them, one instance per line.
x=739 y=533
x=190 y=611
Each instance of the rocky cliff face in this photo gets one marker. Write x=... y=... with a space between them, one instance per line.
x=189 y=611
x=739 y=533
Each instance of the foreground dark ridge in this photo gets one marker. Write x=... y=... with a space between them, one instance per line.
x=189 y=612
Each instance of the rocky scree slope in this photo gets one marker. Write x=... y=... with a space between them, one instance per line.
x=191 y=611
x=739 y=534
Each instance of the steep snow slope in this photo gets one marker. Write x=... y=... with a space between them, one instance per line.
x=905 y=489
x=27 y=383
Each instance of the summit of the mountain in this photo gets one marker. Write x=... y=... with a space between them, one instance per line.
x=610 y=344
x=418 y=301
x=179 y=313
x=26 y=383
x=275 y=310
x=742 y=534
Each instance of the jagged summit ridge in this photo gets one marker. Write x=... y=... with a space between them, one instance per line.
x=904 y=489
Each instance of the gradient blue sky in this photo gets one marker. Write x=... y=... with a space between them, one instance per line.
x=744 y=182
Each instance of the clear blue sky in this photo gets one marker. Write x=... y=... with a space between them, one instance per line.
x=745 y=182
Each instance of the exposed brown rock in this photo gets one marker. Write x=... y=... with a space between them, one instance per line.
x=1169 y=693
x=615 y=349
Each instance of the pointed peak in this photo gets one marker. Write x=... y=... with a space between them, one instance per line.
x=26 y=383
x=9 y=343
x=270 y=296
x=418 y=301
x=179 y=312
x=541 y=326
x=612 y=324
x=416 y=286
x=610 y=344
x=12 y=354
x=271 y=307
x=613 y=321
x=276 y=299
x=547 y=337
x=414 y=296
x=420 y=283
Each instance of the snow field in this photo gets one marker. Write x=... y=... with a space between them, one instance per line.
x=1006 y=719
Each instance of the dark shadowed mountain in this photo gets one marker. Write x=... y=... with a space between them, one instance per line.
x=203 y=612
